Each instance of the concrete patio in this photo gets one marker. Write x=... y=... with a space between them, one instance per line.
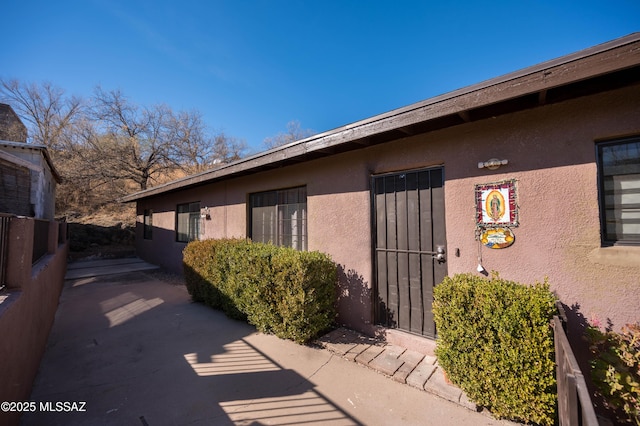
x=129 y=347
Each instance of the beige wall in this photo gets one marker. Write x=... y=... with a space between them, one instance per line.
x=551 y=154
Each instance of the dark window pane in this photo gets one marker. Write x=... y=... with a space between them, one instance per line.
x=187 y=222
x=280 y=217
x=619 y=168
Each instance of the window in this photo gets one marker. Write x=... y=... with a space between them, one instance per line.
x=619 y=174
x=187 y=222
x=148 y=224
x=280 y=217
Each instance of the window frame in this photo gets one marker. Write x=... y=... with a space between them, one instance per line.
x=193 y=211
x=277 y=199
x=606 y=239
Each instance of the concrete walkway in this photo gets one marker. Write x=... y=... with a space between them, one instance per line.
x=130 y=348
x=96 y=268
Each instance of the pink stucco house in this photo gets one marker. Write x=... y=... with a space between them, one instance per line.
x=533 y=174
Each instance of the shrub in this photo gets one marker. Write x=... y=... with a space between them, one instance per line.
x=616 y=368
x=495 y=342
x=280 y=290
x=305 y=283
x=203 y=266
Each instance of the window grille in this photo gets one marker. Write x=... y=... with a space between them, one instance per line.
x=280 y=217
x=187 y=222
x=619 y=175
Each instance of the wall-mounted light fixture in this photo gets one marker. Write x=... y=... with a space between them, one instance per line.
x=492 y=163
x=204 y=213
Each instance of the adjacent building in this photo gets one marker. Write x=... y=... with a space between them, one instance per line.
x=28 y=178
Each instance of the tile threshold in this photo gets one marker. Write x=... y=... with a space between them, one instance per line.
x=400 y=364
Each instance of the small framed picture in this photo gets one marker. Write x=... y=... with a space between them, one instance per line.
x=496 y=204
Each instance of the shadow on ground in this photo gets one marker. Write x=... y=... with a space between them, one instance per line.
x=139 y=352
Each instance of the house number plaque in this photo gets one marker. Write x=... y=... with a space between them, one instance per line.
x=497 y=238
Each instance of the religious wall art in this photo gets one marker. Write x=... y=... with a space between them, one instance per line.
x=496 y=204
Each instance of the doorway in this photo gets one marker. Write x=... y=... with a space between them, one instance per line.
x=410 y=244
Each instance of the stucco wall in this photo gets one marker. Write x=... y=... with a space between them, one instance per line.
x=551 y=154
x=27 y=309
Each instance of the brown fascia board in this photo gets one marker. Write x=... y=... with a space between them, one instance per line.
x=610 y=57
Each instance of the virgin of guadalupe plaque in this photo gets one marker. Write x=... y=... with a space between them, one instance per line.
x=496 y=204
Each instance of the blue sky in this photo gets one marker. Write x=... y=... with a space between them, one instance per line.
x=252 y=66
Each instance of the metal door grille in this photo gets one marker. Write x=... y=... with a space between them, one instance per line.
x=408 y=209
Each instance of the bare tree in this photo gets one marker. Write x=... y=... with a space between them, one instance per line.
x=110 y=146
x=294 y=132
x=130 y=142
x=193 y=150
x=227 y=148
x=190 y=150
x=142 y=144
x=48 y=112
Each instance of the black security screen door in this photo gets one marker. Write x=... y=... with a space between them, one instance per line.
x=409 y=227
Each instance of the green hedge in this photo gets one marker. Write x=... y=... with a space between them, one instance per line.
x=495 y=342
x=279 y=290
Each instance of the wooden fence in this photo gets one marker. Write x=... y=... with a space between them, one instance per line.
x=574 y=402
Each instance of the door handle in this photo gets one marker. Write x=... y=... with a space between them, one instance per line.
x=439 y=254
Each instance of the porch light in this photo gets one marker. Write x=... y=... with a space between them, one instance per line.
x=204 y=213
x=492 y=163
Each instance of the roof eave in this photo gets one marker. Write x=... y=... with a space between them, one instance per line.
x=455 y=106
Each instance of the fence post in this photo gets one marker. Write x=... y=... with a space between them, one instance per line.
x=574 y=402
x=52 y=242
x=4 y=243
x=62 y=232
x=19 y=251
